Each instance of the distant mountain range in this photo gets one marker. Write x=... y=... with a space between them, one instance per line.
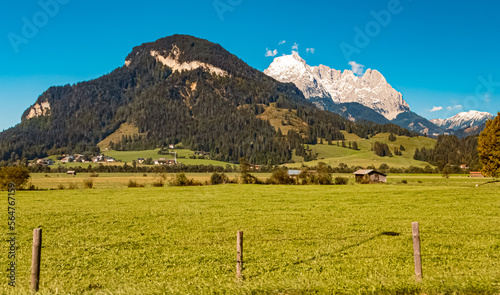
x=464 y=120
x=369 y=97
x=182 y=89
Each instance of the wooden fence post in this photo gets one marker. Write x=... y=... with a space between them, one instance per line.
x=35 y=261
x=239 y=254
x=416 y=251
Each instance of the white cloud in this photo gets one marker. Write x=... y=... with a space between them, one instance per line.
x=435 y=109
x=295 y=46
x=282 y=42
x=458 y=107
x=311 y=50
x=357 y=69
x=487 y=97
x=271 y=52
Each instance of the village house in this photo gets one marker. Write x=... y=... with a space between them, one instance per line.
x=254 y=167
x=171 y=146
x=98 y=158
x=476 y=174
x=71 y=172
x=464 y=167
x=45 y=162
x=164 y=161
x=200 y=153
x=68 y=159
x=371 y=176
x=141 y=160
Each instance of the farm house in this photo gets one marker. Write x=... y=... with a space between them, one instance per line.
x=372 y=176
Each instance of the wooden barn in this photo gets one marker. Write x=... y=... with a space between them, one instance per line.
x=476 y=174
x=371 y=176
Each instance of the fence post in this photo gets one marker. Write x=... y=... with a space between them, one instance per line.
x=416 y=251
x=35 y=261
x=239 y=254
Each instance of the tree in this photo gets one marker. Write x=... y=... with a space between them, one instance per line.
x=17 y=175
x=324 y=176
x=246 y=177
x=489 y=147
x=280 y=176
x=447 y=170
x=392 y=137
x=355 y=146
x=217 y=178
x=384 y=168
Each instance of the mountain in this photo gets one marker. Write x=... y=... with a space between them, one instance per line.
x=178 y=89
x=370 y=90
x=344 y=93
x=353 y=111
x=464 y=120
x=415 y=122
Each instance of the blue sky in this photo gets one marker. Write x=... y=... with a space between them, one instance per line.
x=439 y=55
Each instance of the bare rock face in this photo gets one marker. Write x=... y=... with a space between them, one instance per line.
x=370 y=90
x=39 y=109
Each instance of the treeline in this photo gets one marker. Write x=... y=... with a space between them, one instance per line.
x=341 y=168
x=451 y=150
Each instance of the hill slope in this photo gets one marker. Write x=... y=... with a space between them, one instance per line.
x=334 y=155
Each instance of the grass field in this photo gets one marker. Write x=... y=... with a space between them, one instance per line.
x=334 y=155
x=297 y=239
x=129 y=156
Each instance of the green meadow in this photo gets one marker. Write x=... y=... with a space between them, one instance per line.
x=333 y=155
x=352 y=239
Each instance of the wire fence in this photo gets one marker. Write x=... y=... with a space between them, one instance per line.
x=259 y=250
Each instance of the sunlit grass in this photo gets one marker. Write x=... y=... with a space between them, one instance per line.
x=297 y=239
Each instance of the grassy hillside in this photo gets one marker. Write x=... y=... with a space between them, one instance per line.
x=283 y=119
x=125 y=129
x=182 y=156
x=353 y=239
x=334 y=155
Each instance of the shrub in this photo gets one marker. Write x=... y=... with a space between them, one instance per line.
x=145 y=175
x=159 y=183
x=341 y=180
x=88 y=183
x=404 y=181
x=17 y=175
x=60 y=186
x=280 y=176
x=180 y=179
x=132 y=183
x=72 y=186
x=217 y=178
x=94 y=175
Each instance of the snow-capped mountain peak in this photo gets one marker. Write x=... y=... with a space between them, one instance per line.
x=464 y=120
x=370 y=90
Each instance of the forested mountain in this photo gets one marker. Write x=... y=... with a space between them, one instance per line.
x=178 y=89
